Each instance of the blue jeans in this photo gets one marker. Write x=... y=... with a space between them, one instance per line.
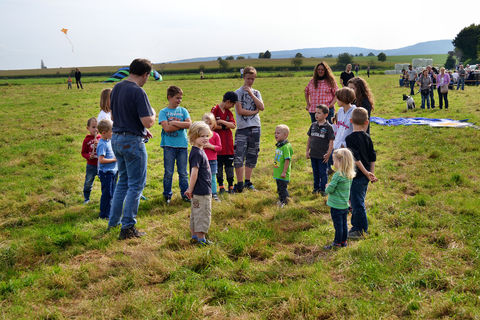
x=90 y=174
x=426 y=98
x=339 y=218
x=320 y=176
x=461 y=81
x=358 y=192
x=282 y=190
x=213 y=168
x=432 y=99
x=109 y=181
x=412 y=85
x=170 y=155
x=132 y=171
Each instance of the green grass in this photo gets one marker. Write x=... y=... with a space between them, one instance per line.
x=421 y=259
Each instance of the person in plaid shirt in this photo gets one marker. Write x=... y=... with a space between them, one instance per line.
x=321 y=90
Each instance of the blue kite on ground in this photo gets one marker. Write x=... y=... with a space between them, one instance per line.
x=124 y=72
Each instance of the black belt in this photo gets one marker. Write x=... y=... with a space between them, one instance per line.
x=127 y=133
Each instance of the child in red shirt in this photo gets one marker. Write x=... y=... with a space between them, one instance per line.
x=225 y=122
x=89 y=152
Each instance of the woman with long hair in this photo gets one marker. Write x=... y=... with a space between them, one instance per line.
x=363 y=95
x=321 y=90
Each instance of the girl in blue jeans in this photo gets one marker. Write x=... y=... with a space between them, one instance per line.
x=338 y=191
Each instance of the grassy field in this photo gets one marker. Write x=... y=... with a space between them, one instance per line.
x=212 y=66
x=420 y=261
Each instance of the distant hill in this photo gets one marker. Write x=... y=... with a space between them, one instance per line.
x=428 y=47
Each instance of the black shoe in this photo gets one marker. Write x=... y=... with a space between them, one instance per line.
x=249 y=186
x=237 y=188
x=167 y=199
x=333 y=246
x=130 y=233
x=222 y=189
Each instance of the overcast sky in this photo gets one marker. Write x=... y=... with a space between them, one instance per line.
x=114 y=32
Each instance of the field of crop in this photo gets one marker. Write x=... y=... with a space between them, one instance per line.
x=420 y=261
x=212 y=66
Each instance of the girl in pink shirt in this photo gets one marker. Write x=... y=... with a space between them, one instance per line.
x=214 y=145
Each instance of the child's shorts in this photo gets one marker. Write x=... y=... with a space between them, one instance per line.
x=200 y=217
x=247 y=147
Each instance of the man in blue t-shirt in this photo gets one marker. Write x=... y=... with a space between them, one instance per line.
x=132 y=115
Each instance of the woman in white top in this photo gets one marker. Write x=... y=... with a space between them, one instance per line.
x=105 y=112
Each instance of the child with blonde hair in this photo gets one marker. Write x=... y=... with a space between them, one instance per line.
x=282 y=164
x=338 y=191
x=107 y=167
x=105 y=112
x=200 y=186
x=213 y=146
x=89 y=152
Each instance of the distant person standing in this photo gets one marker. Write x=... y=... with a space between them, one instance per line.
x=432 y=75
x=412 y=76
x=321 y=90
x=78 y=78
x=461 y=77
x=443 y=80
x=241 y=73
x=131 y=115
x=356 y=70
x=69 y=82
x=346 y=75
x=368 y=71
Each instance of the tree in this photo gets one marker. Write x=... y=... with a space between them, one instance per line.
x=370 y=54
x=360 y=54
x=267 y=55
x=344 y=58
x=240 y=57
x=229 y=58
x=328 y=56
x=382 y=56
x=261 y=55
x=467 y=41
x=297 y=62
x=450 y=62
x=223 y=65
x=299 y=55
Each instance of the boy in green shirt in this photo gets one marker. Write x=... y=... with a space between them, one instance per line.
x=282 y=164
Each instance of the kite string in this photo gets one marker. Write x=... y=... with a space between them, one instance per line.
x=69 y=41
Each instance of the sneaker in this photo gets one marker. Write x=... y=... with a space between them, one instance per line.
x=142 y=197
x=333 y=246
x=249 y=186
x=344 y=244
x=237 y=188
x=230 y=190
x=86 y=201
x=315 y=191
x=281 y=204
x=167 y=200
x=355 y=235
x=215 y=197
x=222 y=189
x=130 y=233
x=204 y=242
